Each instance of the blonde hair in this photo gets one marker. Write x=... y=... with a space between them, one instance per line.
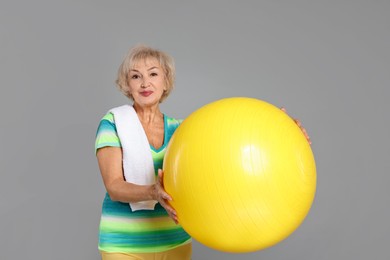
x=143 y=52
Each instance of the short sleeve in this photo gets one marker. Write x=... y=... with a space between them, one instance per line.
x=106 y=134
x=172 y=125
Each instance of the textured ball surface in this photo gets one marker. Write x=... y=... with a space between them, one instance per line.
x=241 y=174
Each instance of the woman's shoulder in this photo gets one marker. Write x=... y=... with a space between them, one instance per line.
x=173 y=121
x=107 y=122
x=109 y=116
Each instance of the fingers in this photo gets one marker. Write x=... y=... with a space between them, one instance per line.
x=306 y=135
x=303 y=130
x=160 y=186
x=163 y=198
x=299 y=124
x=171 y=212
x=160 y=175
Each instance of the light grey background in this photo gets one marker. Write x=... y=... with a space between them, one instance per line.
x=327 y=62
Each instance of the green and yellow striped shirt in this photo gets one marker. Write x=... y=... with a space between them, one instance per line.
x=143 y=231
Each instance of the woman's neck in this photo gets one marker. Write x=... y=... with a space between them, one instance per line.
x=148 y=115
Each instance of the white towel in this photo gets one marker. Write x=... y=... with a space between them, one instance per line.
x=137 y=158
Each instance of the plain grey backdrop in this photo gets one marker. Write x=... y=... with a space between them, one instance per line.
x=327 y=62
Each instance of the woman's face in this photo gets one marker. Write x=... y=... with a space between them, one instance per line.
x=147 y=82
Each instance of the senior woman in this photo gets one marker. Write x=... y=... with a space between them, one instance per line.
x=146 y=76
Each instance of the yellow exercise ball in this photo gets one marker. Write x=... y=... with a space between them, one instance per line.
x=241 y=175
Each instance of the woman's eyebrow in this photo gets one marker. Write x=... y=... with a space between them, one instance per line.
x=154 y=67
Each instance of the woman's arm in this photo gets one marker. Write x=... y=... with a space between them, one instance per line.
x=110 y=164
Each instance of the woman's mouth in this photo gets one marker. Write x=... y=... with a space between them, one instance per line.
x=146 y=93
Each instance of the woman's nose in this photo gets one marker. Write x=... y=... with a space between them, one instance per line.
x=145 y=83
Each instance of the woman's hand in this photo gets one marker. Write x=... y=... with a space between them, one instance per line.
x=162 y=197
x=300 y=126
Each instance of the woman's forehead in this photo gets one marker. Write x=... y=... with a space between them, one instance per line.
x=145 y=62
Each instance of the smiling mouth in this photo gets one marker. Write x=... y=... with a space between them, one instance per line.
x=146 y=93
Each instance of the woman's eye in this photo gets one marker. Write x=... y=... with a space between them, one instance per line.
x=135 y=76
x=153 y=74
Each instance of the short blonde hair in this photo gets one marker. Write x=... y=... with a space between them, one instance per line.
x=142 y=52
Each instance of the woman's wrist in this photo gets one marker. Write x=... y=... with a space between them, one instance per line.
x=152 y=192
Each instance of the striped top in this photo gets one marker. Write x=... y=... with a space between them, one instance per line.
x=124 y=231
